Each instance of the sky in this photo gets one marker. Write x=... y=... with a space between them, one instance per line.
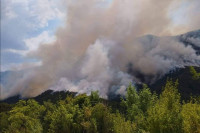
x=26 y=24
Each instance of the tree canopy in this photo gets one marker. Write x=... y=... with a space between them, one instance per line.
x=140 y=111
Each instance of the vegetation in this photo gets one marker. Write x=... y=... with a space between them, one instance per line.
x=195 y=75
x=139 y=112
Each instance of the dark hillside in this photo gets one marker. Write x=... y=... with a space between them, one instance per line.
x=187 y=86
x=47 y=95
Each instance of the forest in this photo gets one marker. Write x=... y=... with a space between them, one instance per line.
x=139 y=111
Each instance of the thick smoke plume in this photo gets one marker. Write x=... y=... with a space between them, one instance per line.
x=101 y=48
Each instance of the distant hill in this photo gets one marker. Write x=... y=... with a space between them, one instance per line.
x=191 y=38
x=187 y=86
x=45 y=96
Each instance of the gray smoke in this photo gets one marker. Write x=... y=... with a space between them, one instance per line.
x=102 y=48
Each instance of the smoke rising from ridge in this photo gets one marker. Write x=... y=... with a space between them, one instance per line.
x=93 y=51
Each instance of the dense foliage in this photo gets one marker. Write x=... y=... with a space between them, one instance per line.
x=195 y=74
x=139 y=111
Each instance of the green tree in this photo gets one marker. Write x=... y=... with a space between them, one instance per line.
x=191 y=117
x=89 y=124
x=94 y=97
x=195 y=75
x=81 y=100
x=20 y=123
x=4 y=123
x=25 y=117
x=164 y=116
x=66 y=117
x=101 y=114
x=121 y=125
x=136 y=103
x=131 y=103
x=49 y=108
x=146 y=98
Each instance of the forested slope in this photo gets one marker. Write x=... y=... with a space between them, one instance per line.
x=140 y=111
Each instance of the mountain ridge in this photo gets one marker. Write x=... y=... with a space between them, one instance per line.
x=188 y=39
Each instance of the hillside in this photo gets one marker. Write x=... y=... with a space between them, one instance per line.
x=187 y=86
x=140 y=111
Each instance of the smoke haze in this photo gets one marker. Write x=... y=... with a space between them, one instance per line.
x=105 y=47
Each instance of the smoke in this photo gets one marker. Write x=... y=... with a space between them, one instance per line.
x=101 y=48
x=192 y=38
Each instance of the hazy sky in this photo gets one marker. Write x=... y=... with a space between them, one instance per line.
x=25 y=24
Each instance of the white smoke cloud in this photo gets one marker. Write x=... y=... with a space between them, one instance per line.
x=95 y=73
x=195 y=39
x=102 y=49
